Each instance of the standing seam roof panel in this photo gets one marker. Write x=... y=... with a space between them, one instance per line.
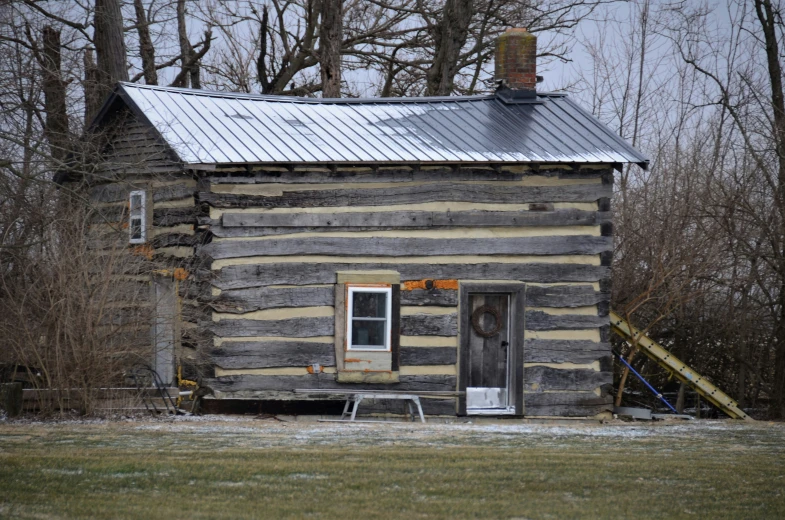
x=193 y=126
x=224 y=128
x=416 y=119
x=312 y=131
x=590 y=148
x=549 y=134
x=243 y=147
x=401 y=135
x=277 y=150
x=386 y=148
x=347 y=136
x=530 y=140
x=481 y=119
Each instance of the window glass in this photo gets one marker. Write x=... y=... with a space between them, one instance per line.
x=369 y=304
x=368 y=320
x=367 y=333
x=136 y=229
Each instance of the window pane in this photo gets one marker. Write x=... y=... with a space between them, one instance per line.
x=136 y=229
x=369 y=305
x=368 y=333
x=136 y=203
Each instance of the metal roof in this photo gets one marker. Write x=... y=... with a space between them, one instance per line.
x=206 y=127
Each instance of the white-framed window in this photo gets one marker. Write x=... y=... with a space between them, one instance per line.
x=137 y=217
x=368 y=317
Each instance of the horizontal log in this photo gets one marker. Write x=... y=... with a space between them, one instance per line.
x=546 y=379
x=563 y=296
x=173 y=216
x=538 y=320
x=436 y=192
x=173 y=192
x=264 y=354
x=434 y=297
x=444 y=173
x=258 y=298
x=258 y=275
x=415 y=219
x=429 y=325
x=175 y=239
x=293 y=328
x=536 y=296
x=563 y=351
x=414 y=356
x=366 y=175
x=565 y=404
x=399 y=407
x=401 y=247
x=326 y=381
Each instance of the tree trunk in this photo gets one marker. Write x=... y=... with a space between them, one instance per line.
x=766 y=17
x=56 y=128
x=146 y=49
x=330 y=40
x=625 y=373
x=189 y=66
x=109 y=45
x=449 y=38
x=92 y=90
x=680 y=398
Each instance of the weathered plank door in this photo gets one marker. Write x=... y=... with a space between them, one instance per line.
x=490 y=350
x=164 y=328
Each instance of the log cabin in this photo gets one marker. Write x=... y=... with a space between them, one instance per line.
x=444 y=244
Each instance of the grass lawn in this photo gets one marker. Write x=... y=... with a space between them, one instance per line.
x=245 y=468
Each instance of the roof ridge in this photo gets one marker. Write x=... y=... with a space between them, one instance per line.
x=323 y=101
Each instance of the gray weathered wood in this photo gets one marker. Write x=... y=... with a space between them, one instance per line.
x=444 y=173
x=387 y=406
x=436 y=192
x=264 y=354
x=434 y=297
x=289 y=383
x=174 y=216
x=546 y=379
x=536 y=296
x=429 y=325
x=538 y=320
x=415 y=219
x=347 y=220
x=398 y=247
x=258 y=298
x=566 y=404
x=258 y=275
x=564 y=351
x=173 y=192
x=563 y=296
x=412 y=356
x=294 y=327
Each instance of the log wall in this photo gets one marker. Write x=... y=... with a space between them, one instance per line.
x=134 y=158
x=278 y=236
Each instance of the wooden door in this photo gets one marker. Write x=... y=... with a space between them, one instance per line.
x=488 y=338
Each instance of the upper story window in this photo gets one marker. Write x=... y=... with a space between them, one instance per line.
x=137 y=225
x=368 y=316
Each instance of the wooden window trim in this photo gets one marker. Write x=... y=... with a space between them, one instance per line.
x=388 y=325
x=140 y=214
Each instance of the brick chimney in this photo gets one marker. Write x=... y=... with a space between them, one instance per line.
x=516 y=64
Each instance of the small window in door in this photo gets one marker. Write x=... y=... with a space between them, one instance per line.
x=137 y=217
x=368 y=313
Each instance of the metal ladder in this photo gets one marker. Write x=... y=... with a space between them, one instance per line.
x=678 y=368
